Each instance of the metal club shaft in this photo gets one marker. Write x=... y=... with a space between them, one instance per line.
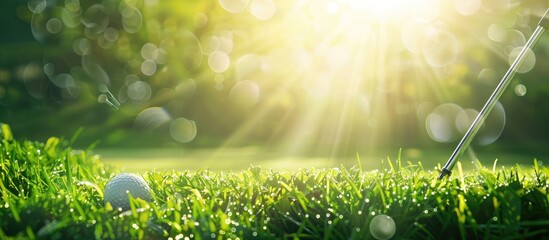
x=500 y=88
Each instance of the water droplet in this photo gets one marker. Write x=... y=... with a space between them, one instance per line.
x=382 y=227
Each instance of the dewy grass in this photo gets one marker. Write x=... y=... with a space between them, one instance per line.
x=52 y=191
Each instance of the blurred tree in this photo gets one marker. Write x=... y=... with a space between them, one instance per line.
x=325 y=76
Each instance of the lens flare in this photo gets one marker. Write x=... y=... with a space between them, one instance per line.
x=183 y=130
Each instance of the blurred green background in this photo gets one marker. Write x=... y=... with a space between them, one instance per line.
x=297 y=77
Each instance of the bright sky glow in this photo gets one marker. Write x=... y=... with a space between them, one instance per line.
x=305 y=73
x=342 y=55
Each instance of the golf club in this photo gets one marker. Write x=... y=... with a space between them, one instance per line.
x=477 y=123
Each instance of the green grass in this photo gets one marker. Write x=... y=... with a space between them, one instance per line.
x=51 y=191
x=240 y=158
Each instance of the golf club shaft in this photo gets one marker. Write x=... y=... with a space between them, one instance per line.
x=477 y=123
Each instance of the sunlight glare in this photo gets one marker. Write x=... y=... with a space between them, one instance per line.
x=397 y=9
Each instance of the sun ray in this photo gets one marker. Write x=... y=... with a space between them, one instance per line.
x=356 y=72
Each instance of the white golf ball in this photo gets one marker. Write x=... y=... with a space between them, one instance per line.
x=117 y=189
x=382 y=227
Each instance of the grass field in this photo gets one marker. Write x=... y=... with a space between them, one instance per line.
x=51 y=191
x=239 y=159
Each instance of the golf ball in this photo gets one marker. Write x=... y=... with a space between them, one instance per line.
x=117 y=189
x=382 y=227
